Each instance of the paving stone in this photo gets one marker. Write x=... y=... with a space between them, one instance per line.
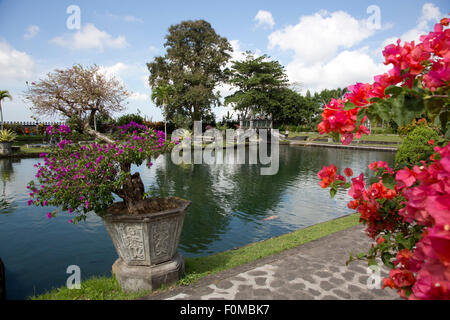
x=348 y=275
x=309 y=279
x=333 y=269
x=244 y=288
x=314 y=292
x=323 y=274
x=260 y=281
x=365 y=296
x=277 y=283
x=356 y=268
x=363 y=279
x=342 y=294
x=337 y=281
x=297 y=286
x=261 y=293
x=328 y=297
x=325 y=285
x=203 y=290
x=257 y=273
x=238 y=278
x=224 y=284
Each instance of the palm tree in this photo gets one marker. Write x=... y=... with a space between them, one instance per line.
x=161 y=96
x=3 y=94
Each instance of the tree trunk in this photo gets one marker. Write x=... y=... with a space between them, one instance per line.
x=132 y=191
x=96 y=134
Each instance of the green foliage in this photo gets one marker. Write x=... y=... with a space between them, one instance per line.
x=261 y=86
x=127 y=118
x=181 y=122
x=7 y=135
x=415 y=146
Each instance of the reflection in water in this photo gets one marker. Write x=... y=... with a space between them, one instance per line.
x=229 y=206
x=6 y=174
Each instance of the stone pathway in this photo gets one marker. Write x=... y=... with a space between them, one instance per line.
x=315 y=270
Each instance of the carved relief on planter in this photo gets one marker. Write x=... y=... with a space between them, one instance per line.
x=160 y=235
x=133 y=240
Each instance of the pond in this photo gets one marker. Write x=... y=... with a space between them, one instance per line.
x=229 y=206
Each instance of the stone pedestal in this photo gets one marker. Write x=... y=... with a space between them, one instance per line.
x=139 y=278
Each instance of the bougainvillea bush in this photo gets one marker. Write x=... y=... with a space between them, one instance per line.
x=84 y=178
x=406 y=209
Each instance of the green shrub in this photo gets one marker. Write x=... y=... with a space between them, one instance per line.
x=127 y=118
x=415 y=146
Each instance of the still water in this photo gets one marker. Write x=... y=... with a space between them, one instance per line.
x=229 y=205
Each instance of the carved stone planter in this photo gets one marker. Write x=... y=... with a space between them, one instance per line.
x=5 y=148
x=147 y=246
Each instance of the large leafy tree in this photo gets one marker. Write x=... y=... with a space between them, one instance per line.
x=78 y=93
x=3 y=95
x=260 y=85
x=193 y=66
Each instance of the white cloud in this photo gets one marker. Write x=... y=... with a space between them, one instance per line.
x=318 y=37
x=114 y=71
x=348 y=67
x=31 y=31
x=130 y=18
x=139 y=96
x=126 y=18
x=14 y=65
x=264 y=19
x=89 y=37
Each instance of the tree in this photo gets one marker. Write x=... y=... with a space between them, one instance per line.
x=193 y=67
x=77 y=93
x=161 y=95
x=260 y=85
x=325 y=96
x=3 y=95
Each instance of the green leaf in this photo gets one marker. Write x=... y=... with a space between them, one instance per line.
x=386 y=258
x=394 y=90
x=349 y=106
x=382 y=109
x=372 y=262
x=360 y=116
x=388 y=181
x=414 y=104
x=333 y=192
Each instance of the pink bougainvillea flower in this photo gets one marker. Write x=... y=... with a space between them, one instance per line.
x=405 y=177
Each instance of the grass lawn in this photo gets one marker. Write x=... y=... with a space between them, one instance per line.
x=106 y=288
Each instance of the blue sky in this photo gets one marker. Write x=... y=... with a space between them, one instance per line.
x=322 y=44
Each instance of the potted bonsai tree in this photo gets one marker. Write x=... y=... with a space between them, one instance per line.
x=6 y=139
x=94 y=178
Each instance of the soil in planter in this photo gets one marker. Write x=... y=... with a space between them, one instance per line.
x=151 y=205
